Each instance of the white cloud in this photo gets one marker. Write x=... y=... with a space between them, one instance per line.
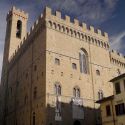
x=110 y=3
x=117 y=41
x=92 y=10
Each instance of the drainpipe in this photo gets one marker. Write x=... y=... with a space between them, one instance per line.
x=113 y=113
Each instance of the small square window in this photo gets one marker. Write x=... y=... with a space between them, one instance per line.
x=57 y=61
x=74 y=66
x=52 y=71
x=120 y=109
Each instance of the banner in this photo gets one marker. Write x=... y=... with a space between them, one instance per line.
x=58 y=115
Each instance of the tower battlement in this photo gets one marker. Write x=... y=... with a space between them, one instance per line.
x=17 y=12
x=16 y=29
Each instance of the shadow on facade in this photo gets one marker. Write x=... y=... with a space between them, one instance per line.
x=68 y=114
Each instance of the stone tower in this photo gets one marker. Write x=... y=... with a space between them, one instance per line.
x=15 y=31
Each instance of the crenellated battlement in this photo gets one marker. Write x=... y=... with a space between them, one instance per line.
x=117 y=58
x=117 y=53
x=18 y=12
x=57 y=16
x=75 y=29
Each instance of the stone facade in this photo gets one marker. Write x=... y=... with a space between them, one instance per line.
x=45 y=57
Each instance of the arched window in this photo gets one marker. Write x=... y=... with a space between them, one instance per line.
x=25 y=99
x=34 y=119
x=100 y=95
x=35 y=93
x=98 y=72
x=50 y=23
x=57 y=61
x=83 y=58
x=74 y=66
x=11 y=90
x=76 y=92
x=57 y=89
x=19 y=29
x=118 y=71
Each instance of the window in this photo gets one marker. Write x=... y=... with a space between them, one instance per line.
x=26 y=75
x=100 y=94
x=34 y=120
x=98 y=72
x=74 y=66
x=117 y=88
x=61 y=73
x=83 y=58
x=124 y=84
x=57 y=61
x=35 y=93
x=17 y=83
x=19 y=29
x=35 y=67
x=57 y=89
x=11 y=90
x=108 y=110
x=118 y=71
x=120 y=109
x=52 y=71
x=26 y=99
x=76 y=92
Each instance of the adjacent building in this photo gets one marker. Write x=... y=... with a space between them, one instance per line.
x=53 y=74
x=113 y=107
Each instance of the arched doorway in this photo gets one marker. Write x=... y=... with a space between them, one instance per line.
x=77 y=122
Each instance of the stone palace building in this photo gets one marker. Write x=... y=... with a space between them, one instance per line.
x=54 y=74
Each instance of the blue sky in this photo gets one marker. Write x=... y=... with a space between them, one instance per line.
x=108 y=15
